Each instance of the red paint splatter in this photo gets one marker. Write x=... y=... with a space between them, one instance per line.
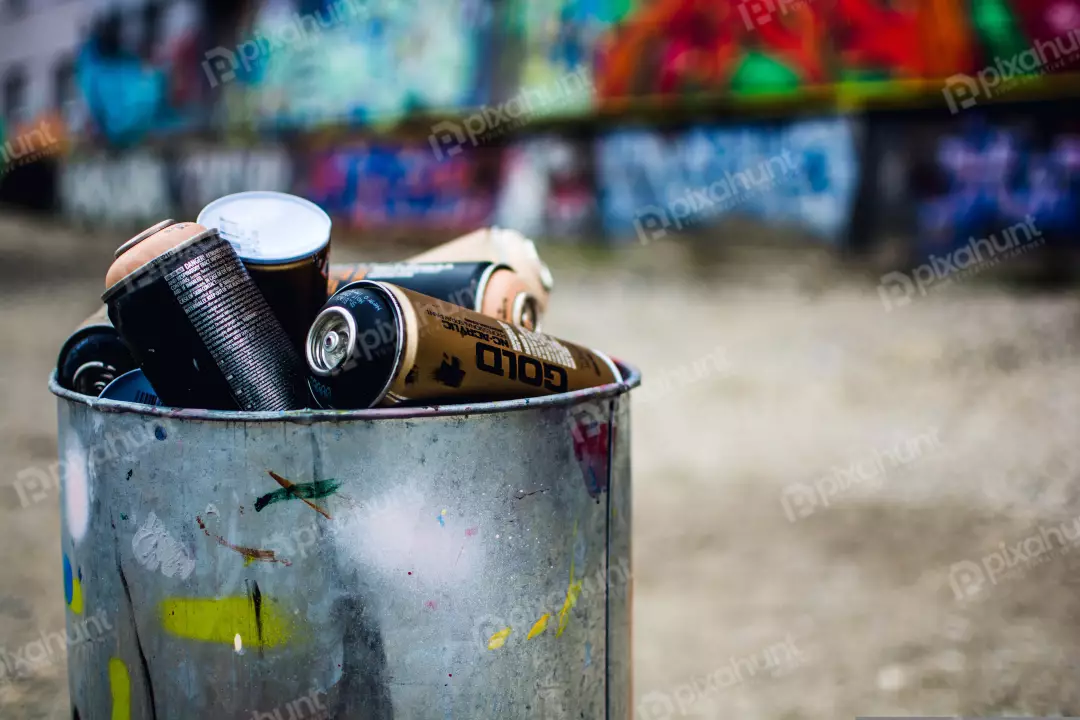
x=410 y=572
x=591 y=446
x=471 y=531
x=430 y=604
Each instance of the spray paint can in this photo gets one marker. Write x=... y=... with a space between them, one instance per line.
x=199 y=328
x=503 y=246
x=132 y=387
x=378 y=344
x=93 y=356
x=284 y=242
x=486 y=287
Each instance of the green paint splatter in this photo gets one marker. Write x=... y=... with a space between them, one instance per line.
x=300 y=491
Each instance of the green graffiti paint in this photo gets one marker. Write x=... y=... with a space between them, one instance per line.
x=298 y=491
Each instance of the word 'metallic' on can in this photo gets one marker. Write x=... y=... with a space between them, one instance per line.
x=198 y=326
x=502 y=246
x=93 y=356
x=378 y=344
x=284 y=242
x=488 y=288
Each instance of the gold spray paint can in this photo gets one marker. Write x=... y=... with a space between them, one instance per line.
x=378 y=344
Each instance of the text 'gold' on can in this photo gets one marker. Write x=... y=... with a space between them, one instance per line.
x=379 y=344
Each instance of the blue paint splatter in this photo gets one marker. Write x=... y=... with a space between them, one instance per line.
x=68 y=589
x=159 y=432
x=441 y=521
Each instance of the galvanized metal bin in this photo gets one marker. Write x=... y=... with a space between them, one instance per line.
x=467 y=561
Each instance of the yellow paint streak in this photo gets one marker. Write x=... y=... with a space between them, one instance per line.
x=120 y=686
x=539 y=627
x=572 y=593
x=573 y=589
x=498 y=639
x=76 y=596
x=220 y=620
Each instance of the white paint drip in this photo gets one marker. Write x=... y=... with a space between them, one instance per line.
x=76 y=488
x=154 y=547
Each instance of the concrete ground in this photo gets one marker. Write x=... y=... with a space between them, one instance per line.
x=838 y=510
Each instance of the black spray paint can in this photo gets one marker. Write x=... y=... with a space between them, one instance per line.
x=132 y=387
x=93 y=356
x=488 y=288
x=198 y=326
x=284 y=242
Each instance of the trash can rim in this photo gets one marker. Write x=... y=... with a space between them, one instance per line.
x=631 y=379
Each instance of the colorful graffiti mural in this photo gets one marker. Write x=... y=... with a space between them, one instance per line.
x=138 y=70
x=547 y=189
x=991 y=174
x=309 y=63
x=747 y=47
x=352 y=62
x=803 y=173
x=383 y=185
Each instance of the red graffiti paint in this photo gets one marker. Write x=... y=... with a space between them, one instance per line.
x=591 y=445
x=471 y=531
x=430 y=605
x=250 y=554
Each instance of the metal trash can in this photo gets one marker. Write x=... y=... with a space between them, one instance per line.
x=467 y=561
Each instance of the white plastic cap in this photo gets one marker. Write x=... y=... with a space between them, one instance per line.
x=268 y=227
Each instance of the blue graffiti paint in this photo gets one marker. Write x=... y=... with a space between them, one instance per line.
x=159 y=432
x=68 y=586
x=803 y=173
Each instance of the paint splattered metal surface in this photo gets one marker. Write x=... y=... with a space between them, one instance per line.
x=467 y=561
